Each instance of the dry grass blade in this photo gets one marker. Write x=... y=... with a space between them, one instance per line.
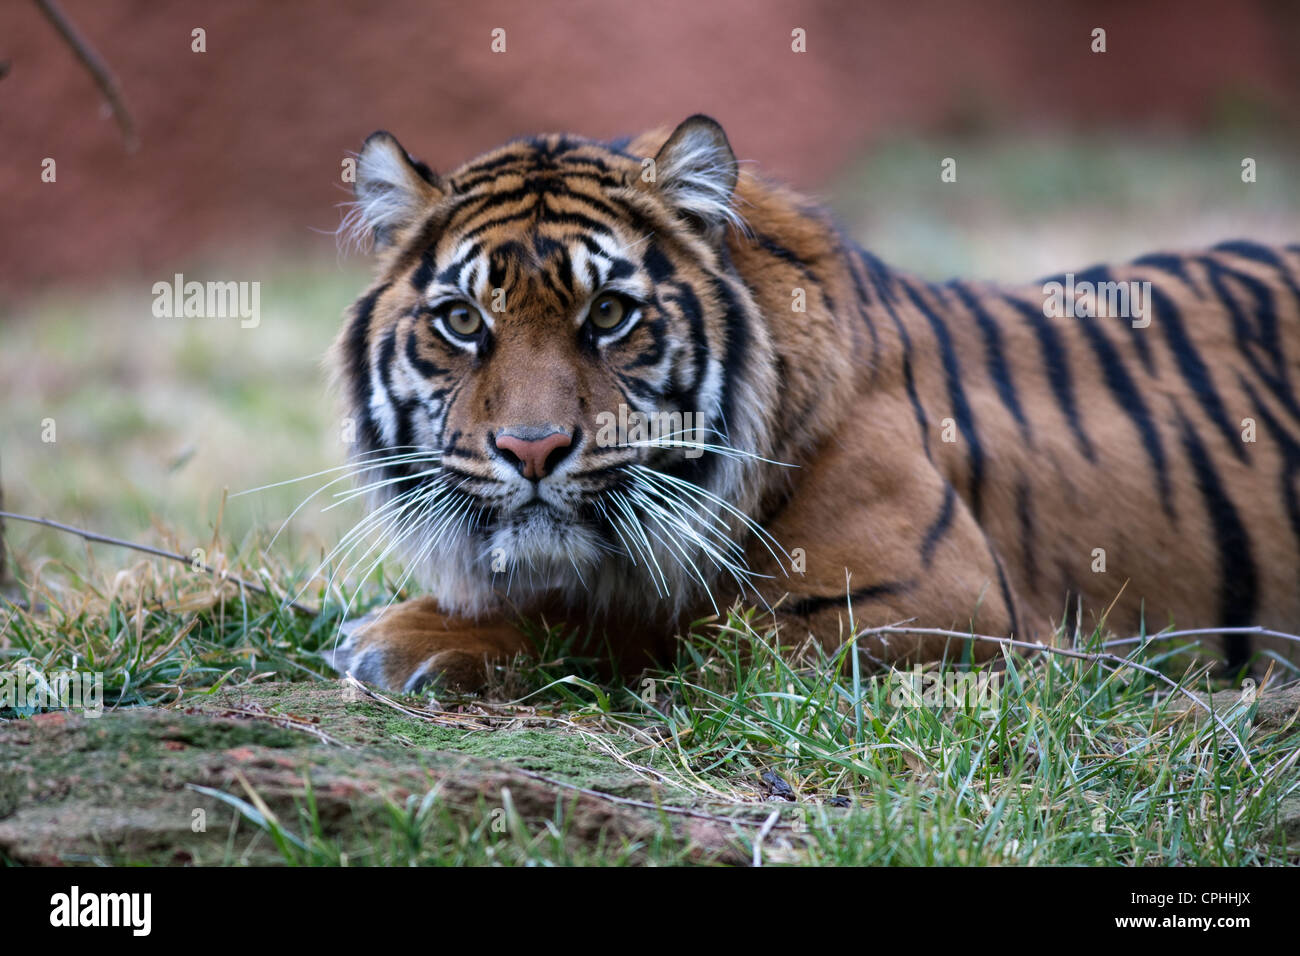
x=156 y=552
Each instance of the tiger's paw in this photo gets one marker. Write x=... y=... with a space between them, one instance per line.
x=408 y=646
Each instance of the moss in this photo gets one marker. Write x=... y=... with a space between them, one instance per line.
x=122 y=787
x=559 y=755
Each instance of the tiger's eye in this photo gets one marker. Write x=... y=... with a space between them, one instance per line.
x=463 y=320
x=607 y=312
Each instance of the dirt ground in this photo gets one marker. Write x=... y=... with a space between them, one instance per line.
x=129 y=786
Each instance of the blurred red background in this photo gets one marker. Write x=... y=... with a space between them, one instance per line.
x=241 y=145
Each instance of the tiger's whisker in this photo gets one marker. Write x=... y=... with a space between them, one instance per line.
x=360 y=461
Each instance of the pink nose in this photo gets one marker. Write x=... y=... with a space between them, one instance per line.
x=533 y=454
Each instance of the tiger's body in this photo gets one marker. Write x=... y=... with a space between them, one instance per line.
x=947 y=455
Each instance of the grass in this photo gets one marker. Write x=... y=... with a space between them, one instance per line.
x=422 y=832
x=1062 y=762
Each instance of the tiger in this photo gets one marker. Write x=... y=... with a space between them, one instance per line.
x=624 y=386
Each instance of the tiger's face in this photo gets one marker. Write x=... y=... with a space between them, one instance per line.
x=550 y=351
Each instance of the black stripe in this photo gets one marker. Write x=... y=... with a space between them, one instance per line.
x=528 y=212
x=551 y=252
x=1006 y=594
x=1175 y=266
x=681 y=394
x=1129 y=399
x=998 y=370
x=657 y=265
x=451 y=275
x=1166 y=262
x=595 y=161
x=535 y=176
x=1265 y=256
x=1193 y=369
x=619 y=268
x=577 y=221
x=774 y=248
x=961 y=410
x=422 y=365
x=1057 y=369
x=934 y=534
x=519 y=153
x=468 y=209
x=1289 y=448
x=1138 y=337
x=735 y=357
x=1253 y=251
x=578 y=196
x=880 y=276
x=1025 y=513
x=502 y=259
x=652 y=356
x=807 y=606
x=356 y=351
x=402 y=407
x=683 y=297
x=1258 y=341
x=422 y=276
x=564 y=274
x=1238 y=585
x=864 y=308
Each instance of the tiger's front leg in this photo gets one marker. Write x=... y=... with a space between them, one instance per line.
x=409 y=645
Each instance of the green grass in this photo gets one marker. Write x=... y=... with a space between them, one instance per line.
x=1069 y=763
x=421 y=832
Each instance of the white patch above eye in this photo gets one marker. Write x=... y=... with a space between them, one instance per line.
x=475 y=279
x=583 y=261
x=472 y=276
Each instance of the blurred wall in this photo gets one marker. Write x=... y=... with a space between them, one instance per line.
x=241 y=145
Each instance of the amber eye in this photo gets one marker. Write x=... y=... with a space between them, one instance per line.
x=462 y=319
x=607 y=312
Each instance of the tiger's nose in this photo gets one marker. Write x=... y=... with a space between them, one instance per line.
x=534 y=451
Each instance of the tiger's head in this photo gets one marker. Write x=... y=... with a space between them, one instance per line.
x=558 y=379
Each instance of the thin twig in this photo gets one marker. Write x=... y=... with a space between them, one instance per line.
x=1202 y=632
x=97 y=68
x=1115 y=659
x=157 y=552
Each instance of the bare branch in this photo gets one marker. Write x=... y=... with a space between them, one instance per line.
x=97 y=68
x=1202 y=632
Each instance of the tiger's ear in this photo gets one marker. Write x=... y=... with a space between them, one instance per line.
x=393 y=190
x=696 y=172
